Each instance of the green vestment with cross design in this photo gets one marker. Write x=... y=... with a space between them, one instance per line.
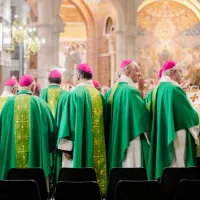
x=82 y=122
x=28 y=134
x=51 y=95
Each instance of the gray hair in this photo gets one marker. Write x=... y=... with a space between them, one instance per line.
x=8 y=88
x=168 y=72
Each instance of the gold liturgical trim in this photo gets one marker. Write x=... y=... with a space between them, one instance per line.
x=2 y=102
x=22 y=129
x=99 y=148
x=53 y=96
x=112 y=94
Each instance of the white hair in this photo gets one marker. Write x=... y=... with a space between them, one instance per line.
x=168 y=72
x=8 y=88
x=123 y=71
x=28 y=87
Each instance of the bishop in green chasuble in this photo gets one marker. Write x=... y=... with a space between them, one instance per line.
x=28 y=132
x=10 y=89
x=129 y=121
x=52 y=94
x=81 y=127
x=175 y=124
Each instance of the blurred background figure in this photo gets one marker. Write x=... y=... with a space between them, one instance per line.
x=97 y=85
x=37 y=90
x=104 y=89
x=10 y=90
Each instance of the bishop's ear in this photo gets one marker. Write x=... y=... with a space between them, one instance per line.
x=78 y=76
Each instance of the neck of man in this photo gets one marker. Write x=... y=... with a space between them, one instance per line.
x=126 y=79
x=55 y=84
x=166 y=78
x=28 y=88
x=84 y=82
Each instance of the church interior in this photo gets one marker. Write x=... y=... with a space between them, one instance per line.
x=38 y=36
x=102 y=33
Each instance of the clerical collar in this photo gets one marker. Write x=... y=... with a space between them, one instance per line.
x=54 y=84
x=165 y=78
x=7 y=94
x=24 y=92
x=86 y=83
x=125 y=79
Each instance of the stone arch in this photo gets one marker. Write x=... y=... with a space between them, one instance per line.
x=120 y=14
x=109 y=27
x=88 y=18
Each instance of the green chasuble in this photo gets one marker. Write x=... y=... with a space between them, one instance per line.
x=28 y=134
x=128 y=119
x=2 y=102
x=170 y=111
x=60 y=106
x=83 y=123
x=51 y=96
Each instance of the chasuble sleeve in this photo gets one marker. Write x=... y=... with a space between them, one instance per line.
x=185 y=116
x=44 y=95
x=52 y=128
x=60 y=108
x=67 y=120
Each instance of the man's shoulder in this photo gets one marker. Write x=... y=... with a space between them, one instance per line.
x=126 y=88
x=77 y=92
x=9 y=100
x=38 y=100
x=44 y=91
x=168 y=86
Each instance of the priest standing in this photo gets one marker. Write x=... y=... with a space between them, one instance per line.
x=27 y=123
x=10 y=90
x=54 y=91
x=81 y=130
x=129 y=120
x=175 y=124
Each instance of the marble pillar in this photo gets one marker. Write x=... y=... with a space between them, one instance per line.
x=126 y=30
x=49 y=27
x=112 y=53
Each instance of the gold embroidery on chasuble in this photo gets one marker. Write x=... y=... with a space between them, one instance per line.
x=53 y=96
x=2 y=102
x=110 y=100
x=22 y=129
x=99 y=148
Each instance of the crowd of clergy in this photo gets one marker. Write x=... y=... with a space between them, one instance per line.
x=84 y=128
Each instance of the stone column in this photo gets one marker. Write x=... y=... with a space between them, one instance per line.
x=120 y=39
x=126 y=31
x=49 y=27
x=111 y=51
x=131 y=29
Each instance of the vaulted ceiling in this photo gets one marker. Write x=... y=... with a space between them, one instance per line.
x=69 y=13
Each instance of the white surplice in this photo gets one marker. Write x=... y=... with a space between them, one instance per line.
x=133 y=153
x=7 y=94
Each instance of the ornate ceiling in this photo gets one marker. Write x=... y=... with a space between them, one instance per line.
x=169 y=11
